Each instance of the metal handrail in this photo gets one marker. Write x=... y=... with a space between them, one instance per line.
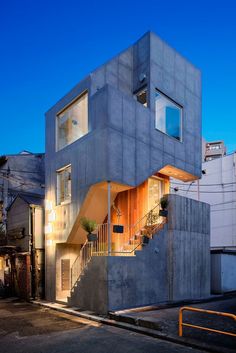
x=211 y=312
x=146 y=215
x=100 y=246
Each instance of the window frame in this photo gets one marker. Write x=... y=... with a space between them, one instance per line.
x=58 y=171
x=65 y=108
x=181 y=115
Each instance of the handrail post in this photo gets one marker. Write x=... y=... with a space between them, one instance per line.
x=109 y=216
x=181 y=323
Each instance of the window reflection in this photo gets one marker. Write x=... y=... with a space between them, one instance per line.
x=168 y=116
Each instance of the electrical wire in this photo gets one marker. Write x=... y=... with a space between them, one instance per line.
x=19 y=171
x=205 y=192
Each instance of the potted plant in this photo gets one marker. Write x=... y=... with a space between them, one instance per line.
x=164 y=204
x=145 y=237
x=89 y=226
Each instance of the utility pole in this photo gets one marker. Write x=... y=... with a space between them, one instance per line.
x=109 y=216
x=5 y=197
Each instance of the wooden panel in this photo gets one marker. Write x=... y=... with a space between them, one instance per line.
x=133 y=203
x=65 y=274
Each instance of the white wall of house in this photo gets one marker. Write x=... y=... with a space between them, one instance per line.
x=218 y=188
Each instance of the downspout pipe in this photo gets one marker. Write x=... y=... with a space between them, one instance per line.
x=32 y=251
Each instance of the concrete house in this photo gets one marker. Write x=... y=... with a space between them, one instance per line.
x=112 y=143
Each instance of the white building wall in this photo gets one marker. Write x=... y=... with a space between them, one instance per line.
x=218 y=188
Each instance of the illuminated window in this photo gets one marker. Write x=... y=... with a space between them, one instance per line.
x=155 y=192
x=64 y=185
x=168 y=118
x=72 y=123
x=141 y=97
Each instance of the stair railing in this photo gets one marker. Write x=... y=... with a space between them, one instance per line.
x=80 y=262
x=131 y=238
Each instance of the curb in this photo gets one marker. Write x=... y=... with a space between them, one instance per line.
x=132 y=327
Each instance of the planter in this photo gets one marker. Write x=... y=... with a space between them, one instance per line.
x=145 y=239
x=163 y=213
x=92 y=237
x=118 y=229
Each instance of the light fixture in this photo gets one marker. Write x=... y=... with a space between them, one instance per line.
x=142 y=77
x=52 y=216
x=48 y=228
x=48 y=205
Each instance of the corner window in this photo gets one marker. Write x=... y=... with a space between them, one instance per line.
x=72 y=123
x=64 y=185
x=141 y=97
x=168 y=116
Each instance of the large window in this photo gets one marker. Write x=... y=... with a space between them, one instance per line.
x=72 y=123
x=64 y=185
x=168 y=116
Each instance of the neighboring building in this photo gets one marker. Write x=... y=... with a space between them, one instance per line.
x=21 y=224
x=19 y=173
x=218 y=188
x=214 y=149
x=112 y=143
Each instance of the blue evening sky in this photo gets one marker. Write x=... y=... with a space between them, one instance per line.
x=46 y=47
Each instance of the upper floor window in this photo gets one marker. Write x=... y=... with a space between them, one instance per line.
x=168 y=116
x=214 y=147
x=64 y=185
x=141 y=96
x=72 y=123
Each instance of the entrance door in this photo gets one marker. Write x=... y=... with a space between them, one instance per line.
x=155 y=192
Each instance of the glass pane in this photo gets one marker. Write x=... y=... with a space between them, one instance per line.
x=155 y=192
x=64 y=185
x=73 y=122
x=168 y=116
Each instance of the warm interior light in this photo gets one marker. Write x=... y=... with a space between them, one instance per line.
x=52 y=216
x=48 y=205
x=49 y=242
x=48 y=228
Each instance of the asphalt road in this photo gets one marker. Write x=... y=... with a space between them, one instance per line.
x=30 y=329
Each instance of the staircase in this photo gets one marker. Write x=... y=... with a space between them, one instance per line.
x=133 y=239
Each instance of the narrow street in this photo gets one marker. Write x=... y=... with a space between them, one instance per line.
x=27 y=328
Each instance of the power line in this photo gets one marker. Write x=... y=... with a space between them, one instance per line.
x=220 y=184
x=205 y=192
x=20 y=171
x=224 y=209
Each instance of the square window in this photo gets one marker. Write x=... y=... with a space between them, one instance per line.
x=72 y=123
x=141 y=96
x=168 y=116
x=64 y=185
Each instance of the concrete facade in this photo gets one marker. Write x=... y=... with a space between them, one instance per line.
x=122 y=144
x=175 y=265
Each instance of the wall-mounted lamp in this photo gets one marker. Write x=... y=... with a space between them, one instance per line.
x=51 y=216
x=48 y=205
x=48 y=228
x=142 y=77
x=49 y=242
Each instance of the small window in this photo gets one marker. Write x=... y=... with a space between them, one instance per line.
x=72 y=123
x=141 y=97
x=64 y=185
x=168 y=117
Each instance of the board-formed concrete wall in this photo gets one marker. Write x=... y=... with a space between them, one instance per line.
x=175 y=265
x=122 y=144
